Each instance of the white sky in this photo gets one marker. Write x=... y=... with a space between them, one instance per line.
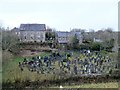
x=61 y=14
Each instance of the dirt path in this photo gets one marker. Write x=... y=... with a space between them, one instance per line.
x=25 y=53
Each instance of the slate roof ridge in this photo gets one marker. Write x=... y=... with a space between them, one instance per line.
x=33 y=27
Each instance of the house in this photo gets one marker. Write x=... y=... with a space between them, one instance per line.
x=78 y=34
x=66 y=37
x=31 y=32
x=37 y=33
x=62 y=37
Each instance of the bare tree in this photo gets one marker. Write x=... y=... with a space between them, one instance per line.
x=10 y=41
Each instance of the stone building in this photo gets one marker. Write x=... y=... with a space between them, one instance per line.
x=31 y=32
x=62 y=37
x=66 y=37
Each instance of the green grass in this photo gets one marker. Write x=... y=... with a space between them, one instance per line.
x=93 y=85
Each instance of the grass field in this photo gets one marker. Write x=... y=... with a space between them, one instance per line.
x=93 y=85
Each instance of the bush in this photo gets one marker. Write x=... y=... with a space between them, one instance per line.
x=96 y=46
x=10 y=42
x=85 y=46
x=115 y=73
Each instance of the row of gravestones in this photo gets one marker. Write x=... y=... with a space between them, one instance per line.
x=92 y=63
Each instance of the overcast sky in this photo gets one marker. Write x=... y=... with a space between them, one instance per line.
x=60 y=14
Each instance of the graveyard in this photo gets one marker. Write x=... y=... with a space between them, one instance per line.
x=59 y=44
x=60 y=67
x=56 y=63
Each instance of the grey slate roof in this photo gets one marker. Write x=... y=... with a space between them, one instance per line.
x=63 y=34
x=33 y=27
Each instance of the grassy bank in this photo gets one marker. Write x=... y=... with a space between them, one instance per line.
x=12 y=72
x=93 y=85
